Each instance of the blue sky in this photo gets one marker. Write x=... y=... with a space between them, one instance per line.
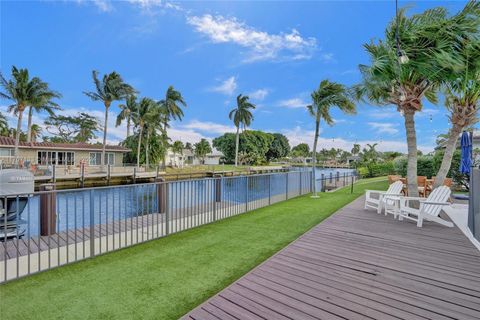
x=276 y=52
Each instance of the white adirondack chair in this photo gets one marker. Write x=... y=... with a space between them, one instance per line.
x=384 y=197
x=429 y=208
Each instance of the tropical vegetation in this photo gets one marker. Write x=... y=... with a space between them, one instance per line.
x=241 y=116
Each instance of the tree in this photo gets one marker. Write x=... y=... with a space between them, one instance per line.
x=329 y=94
x=80 y=128
x=153 y=122
x=35 y=132
x=39 y=107
x=177 y=148
x=279 y=147
x=111 y=88
x=255 y=144
x=144 y=113
x=462 y=87
x=172 y=110
x=241 y=115
x=356 y=149
x=202 y=148
x=4 y=128
x=391 y=78
x=370 y=153
x=301 y=150
x=188 y=146
x=126 y=112
x=25 y=92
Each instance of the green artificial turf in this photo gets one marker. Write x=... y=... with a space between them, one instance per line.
x=166 y=278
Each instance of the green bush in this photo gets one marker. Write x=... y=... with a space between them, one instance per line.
x=371 y=170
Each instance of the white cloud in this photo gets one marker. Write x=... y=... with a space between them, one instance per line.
x=261 y=45
x=384 y=113
x=227 y=87
x=210 y=127
x=293 y=103
x=259 y=94
x=102 y=5
x=384 y=127
x=298 y=135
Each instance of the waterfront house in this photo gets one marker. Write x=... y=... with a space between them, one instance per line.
x=187 y=157
x=61 y=154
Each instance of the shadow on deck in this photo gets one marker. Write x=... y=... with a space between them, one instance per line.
x=359 y=265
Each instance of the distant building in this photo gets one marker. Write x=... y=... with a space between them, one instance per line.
x=69 y=154
x=187 y=157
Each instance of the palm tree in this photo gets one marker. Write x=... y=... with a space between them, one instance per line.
x=202 y=148
x=172 y=109
x=177 y=148
x=241 y=115
x=25 y=92
x=329 y=94
x=35 y=132
x=126 y=112
x=355 y=149
x=4 y=128
x=392 y=79
x=153 y=122
x=139 y=118
x=111 y=88
x=39 y=107
x=462 y=88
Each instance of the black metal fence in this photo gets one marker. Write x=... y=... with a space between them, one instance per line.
x=474 y=203
x=51 y=228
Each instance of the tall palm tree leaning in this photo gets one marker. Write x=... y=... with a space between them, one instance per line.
x=25 y=92
x=111 y=88
x=403 y=72
x=462 y=88
x=172 y=109
x=241 y=116
x=329 y=94
x=139 y=118
x=39 y=107
x=126 y=112
x=153 y=122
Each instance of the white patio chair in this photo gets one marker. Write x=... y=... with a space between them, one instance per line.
x=394 y=190
x=429 y=208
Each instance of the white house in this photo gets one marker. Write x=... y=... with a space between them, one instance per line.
x=187 y=157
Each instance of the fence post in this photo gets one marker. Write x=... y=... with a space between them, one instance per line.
x=48 y=208
x=92 y=224
x=351 y=188
x=246 y=193
x=134 y=175
x=109 y=172
x=54 y=173
x=300 y=183
x=82 y=175
x=161 y=194
x=286 y=185
x=269 y=189
x=344 y=179
x=322 y=183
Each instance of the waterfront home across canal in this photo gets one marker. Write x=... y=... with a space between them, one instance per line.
x=44 y=154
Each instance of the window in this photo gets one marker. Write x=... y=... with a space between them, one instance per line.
x=6 y=152
x=95 y=158
x=56 y=157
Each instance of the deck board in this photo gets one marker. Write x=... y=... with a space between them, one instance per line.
x=358 y=264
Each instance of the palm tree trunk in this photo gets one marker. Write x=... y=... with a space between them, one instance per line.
x=140 y=133
x=314 y=156
x=412 y=184
x=164 y=160
x=128 y=125
x=107 y=105
x=448 y=155
x=147 y=158
x=237 y=141
x=17 y=134
x=29 y=129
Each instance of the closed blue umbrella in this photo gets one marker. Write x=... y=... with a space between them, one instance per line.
x=466 y=156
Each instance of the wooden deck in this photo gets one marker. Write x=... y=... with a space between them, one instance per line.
x=359 y=265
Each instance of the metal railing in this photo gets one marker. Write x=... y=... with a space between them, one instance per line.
x=51 y=228
x=474 y=203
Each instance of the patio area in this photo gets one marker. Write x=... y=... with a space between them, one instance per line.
x=358 y=264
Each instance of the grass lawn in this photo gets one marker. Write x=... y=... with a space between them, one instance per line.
x=166 y=278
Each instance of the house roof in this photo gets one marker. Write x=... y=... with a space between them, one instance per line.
x=10 y=142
